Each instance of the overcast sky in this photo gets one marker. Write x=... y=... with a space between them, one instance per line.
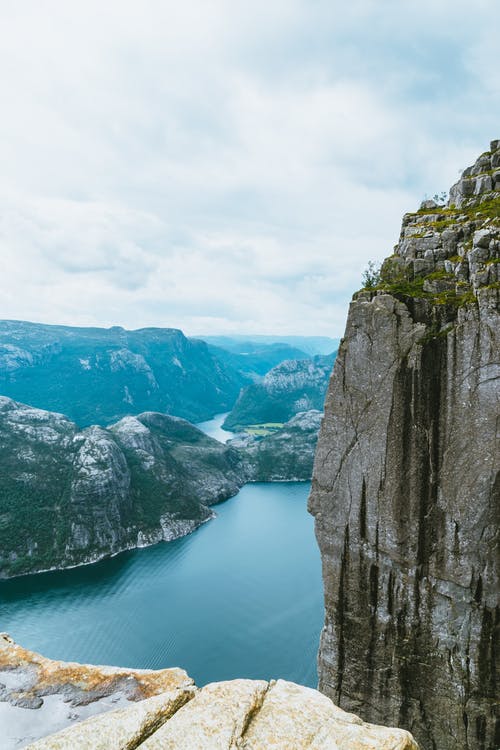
x=227 y=165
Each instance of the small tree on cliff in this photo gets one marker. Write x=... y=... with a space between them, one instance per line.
x=371 y=275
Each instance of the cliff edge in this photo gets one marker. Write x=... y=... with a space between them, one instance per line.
x=163 y=709
x=406 y=480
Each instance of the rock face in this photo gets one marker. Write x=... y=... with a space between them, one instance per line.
x=406 y=481
x=291 y=387
x=287 y=455
x=163 y=710
x=70 y=496
x=97 y=375
x=39 y=696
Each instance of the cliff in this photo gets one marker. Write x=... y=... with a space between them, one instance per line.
x=71 y=496
x=163 y=709
x=406 y=480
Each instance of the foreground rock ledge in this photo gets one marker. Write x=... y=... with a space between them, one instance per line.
x=249 y=714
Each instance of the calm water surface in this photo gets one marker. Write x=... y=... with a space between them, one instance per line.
x=213 y=428
x=240 y=597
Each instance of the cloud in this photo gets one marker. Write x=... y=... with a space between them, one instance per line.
x=226 y=166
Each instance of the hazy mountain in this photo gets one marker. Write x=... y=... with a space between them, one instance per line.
x=97 y=375
x=254 y=360
x=291 y=387
x=241 y=344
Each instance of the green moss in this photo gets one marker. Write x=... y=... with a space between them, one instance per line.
x=414 y=289
x=438 y=275
x=473 y=209
x=481 y=174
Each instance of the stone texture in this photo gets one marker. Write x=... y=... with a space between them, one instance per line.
x=246 y=714
x=163 y=709
x=39 y=696
x=406 y=490
x=216 y=718
x=124 y=729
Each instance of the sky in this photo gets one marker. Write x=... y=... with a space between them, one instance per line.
x=227 y=166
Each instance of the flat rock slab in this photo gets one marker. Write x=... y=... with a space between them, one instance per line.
x=245 y=714
x=164 y=710
x=39 y=696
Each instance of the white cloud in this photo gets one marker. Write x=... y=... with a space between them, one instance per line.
x=222 y=166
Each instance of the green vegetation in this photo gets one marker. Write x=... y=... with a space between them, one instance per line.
x=263 y=429
x=60 y=507
x=474 y=208
x=293 y=386
x=371 y=275
x=396 y=283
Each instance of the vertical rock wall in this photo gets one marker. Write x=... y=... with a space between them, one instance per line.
x=406 y=481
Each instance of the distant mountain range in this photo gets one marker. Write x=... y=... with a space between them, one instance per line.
x=98 y=375
x=244 y=343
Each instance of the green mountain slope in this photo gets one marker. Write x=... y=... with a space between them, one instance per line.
x=98 y=375
x=70 y=496
x=291 y=387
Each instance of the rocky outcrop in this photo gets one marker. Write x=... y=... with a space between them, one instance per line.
x=163 y=710
x=71 y=496
x=291 y=387
x=406 y=480
x=39 y=696
x=98 y=375
x=286 y=455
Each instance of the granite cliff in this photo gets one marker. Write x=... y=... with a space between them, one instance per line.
x=108 y=708
x=406 y=481
x=71 y=496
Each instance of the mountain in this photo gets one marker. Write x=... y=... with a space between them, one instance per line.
x=98 y=375
x=71 y=496
x=240 y=344
x=285 y=455
x=291 y=387
x=254 y=360
x=406 y=483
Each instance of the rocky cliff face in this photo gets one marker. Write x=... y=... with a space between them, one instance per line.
x=70 y=496
x=406 y=480
x=163 y=709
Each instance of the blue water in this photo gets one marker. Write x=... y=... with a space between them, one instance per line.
x=240 y=597
x=213 y=428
